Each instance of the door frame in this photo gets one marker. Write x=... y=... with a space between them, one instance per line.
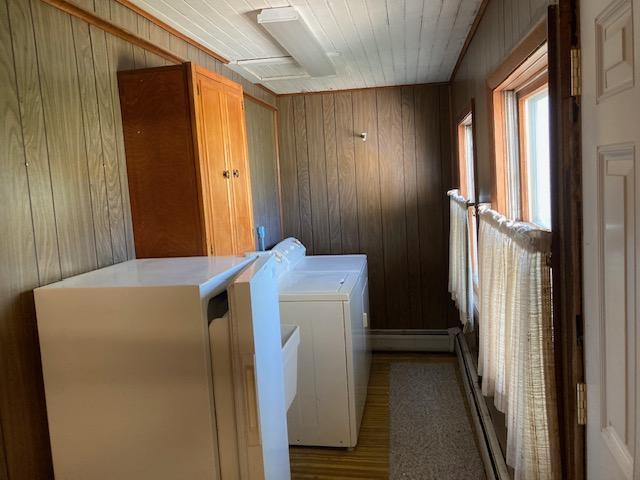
x=566 y=260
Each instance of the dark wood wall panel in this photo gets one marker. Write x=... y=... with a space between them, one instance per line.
x=384 y=197
x=288 y=168
x=414 y=274
x=63 y=185
x=345 y=149
x=35 y=142
x=263 y=163
x=368 y=200
x=392 y=201
x=4 y=474
x=111 y=162
x=120 y=57
x=19 y=274
x=430 y=198
x=302 y=170
x=331 y=161
x=318 y=171
x=59 y=83
x=93 y=143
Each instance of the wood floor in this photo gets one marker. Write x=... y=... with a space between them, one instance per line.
x=370 y=459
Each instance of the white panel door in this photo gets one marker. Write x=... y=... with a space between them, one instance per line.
x=610 y=139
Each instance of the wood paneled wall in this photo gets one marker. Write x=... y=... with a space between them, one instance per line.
x=503 y=25
x=263 y=159
x=385 y=197
x=63 y=186
x=117 y=13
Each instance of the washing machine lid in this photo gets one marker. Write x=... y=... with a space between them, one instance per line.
x=317 y=286
x=331 y=263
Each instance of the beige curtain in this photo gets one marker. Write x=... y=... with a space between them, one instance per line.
x=460 y=274
x=516 y=359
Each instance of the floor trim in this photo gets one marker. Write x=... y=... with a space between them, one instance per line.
x=413 y=340
x=490 y=451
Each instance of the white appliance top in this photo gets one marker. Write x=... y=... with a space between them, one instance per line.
x=321 y=286
x=331 y=263
x=204 y=272
x=291 y=256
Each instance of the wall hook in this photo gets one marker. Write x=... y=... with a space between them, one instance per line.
x=363 y=136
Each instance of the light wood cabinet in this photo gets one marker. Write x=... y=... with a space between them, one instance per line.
x=187 y=162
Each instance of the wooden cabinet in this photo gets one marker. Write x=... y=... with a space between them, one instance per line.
x=187 y=163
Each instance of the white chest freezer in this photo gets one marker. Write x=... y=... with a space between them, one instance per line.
x=148 y=377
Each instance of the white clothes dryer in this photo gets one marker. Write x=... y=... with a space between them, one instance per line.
x=327 y=297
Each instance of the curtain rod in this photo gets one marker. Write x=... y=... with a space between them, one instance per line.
x=455 y=194
x=526 y=234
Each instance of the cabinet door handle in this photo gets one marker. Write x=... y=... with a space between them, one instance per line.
x=226 y=174
x=236 y=172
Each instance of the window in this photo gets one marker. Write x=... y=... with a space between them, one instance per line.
x=465 y=157
x=467 y=185
x=522 y=189
x=534 y=109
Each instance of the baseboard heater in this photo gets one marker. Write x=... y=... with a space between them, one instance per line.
x=413 y=340
x=490 y=451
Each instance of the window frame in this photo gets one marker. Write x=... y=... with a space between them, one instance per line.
x=462 y=163
x=464 y=168
x=524 y=70
x=528 y=91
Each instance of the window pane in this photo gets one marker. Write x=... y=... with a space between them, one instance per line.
x=512 y=165
x=537 y=135
x=465 y=131
x=468 y=144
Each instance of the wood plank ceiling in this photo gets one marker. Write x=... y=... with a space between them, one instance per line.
x=371 y=42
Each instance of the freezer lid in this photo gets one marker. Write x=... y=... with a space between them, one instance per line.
x=261 y=413
x=203 y=272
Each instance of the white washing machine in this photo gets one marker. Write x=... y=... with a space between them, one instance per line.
x=327 y=297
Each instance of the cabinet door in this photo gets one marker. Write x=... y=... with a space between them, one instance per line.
x=239 y=162
x=161 y=163
x=214 y=169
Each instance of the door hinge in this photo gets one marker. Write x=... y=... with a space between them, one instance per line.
x=576 y=72
x=197 y=88
x=581 y=401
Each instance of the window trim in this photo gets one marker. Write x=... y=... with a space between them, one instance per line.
x=526 y=64
x=469 y=110
x=461 y=126
x=533 y=88
x=461 y=123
